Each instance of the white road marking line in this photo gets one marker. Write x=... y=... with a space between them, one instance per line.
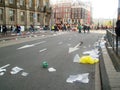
x=72 y=49
x=2 y=70
x=60 y=43
x=43 y=50
x=5 y=66
x=31 y=45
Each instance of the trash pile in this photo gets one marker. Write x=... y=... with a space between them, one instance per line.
x=45 y=65
x=90 y=57
x=88 y=60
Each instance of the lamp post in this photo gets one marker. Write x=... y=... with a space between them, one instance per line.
x=118 y=9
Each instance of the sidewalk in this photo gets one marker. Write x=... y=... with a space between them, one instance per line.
x=11 y=36
x=109 y=76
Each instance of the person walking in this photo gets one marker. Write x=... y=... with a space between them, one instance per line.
x=117 y=28
x=88 y=28
x=18 y=30
x=14 y=29
x=53 y=28
x=56 y=28
x=31 y=28
x=79 y=28
x=84 y=28
x=64 y=27
x=4 y=30
x=0 y=29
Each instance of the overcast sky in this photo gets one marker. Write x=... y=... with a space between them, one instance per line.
x=105 y=8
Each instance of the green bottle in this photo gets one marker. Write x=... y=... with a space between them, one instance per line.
x=45 y=64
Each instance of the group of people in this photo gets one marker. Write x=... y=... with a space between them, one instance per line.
x=65 y=27
x=12 y=29
x=62 y=27
x=84 y=28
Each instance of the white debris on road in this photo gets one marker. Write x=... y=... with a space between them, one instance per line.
x=83 y=78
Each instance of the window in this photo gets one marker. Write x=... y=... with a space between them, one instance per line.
x=1 y=1
x=22 y=15
x=12 y=15
x=31 y=17
x=30 y=3
x=22 y=2
x=38 y=3
x=11 y=1
x=1 y=14
x=44 y=3
x=38 y=17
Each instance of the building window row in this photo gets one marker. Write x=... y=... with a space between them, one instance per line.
x=12 y=15
x=1 y=14
x=11 y=1
x=22 y=15
x=22 y=2
x=1 y=1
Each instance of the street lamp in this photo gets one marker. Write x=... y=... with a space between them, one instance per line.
x=118 y=9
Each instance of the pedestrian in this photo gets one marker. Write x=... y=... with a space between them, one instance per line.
x=79 y=28
x=117 y=28
x=88 y=28
x=68 y=27
x=31 y=28
x=14 y=29
x=53 y=28
x=56 y=28
x=84 y=28
x=11 y=28
x=0 y=29
x=4 y=30
x=64 y=27
x=18 y=30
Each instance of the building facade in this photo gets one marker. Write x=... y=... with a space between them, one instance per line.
x=25 y=12
x=62 y=12
x=72 y=12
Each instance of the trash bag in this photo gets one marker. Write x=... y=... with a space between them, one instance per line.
x=45 y=64
x=88 y=60
x=76 y=58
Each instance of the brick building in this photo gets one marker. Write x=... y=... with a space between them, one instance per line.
x=72 y=12
x=62 y=12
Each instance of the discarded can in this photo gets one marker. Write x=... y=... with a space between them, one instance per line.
x=45 y=64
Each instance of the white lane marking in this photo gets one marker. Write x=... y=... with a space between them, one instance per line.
x=2 y=70
x=43 y=50
x=72 y=49
x=31 y=45
x=70 y=39
x=69 y=44
x=39 y=43
x=60 y=43
x=26 y=46
x=5 y=66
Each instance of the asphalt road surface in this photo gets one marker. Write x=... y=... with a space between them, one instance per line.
x=21 y=64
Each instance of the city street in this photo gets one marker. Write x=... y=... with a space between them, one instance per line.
x=22 y=62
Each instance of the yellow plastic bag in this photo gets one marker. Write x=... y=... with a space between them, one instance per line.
x=88 y=60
